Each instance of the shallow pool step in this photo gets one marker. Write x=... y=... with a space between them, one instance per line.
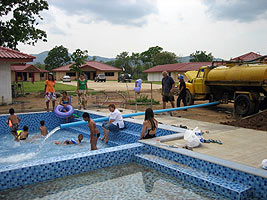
x=209 y=181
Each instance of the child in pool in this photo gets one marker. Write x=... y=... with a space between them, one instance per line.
x=64 y=102
x=72 y=141
x=14 y=119
x=43 y=129
x=94 y=132
x=22 y=135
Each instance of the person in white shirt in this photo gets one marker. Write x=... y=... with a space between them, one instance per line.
x=114 y=124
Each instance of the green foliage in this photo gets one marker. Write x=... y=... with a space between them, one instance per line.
x=201 y=56
x=78 y=57
x=39 y=65
x=58 y=56
x=164 y=57
x=144 y=100
x=21 y=27
x=123 y=62
x=147 y=56
x=38 y=86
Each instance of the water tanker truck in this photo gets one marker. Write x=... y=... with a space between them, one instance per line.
x=244 y=83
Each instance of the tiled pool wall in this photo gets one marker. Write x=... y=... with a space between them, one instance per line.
x=258 y=183
x=32 y=172
x=69 y=165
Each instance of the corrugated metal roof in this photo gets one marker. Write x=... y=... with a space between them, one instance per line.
x=94 y=64
x=23 y=67
x=247 y=56
x=6 y=54
x=178 y=67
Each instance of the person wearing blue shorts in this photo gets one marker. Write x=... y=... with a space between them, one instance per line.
x=114 y=124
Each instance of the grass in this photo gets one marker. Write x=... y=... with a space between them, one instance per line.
x=38 y=86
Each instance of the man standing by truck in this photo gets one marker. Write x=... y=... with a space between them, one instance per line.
x=182 y=91
x=167 y=89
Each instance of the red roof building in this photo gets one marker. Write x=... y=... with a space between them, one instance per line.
x=247 y=57
x=90 y=69
x=154 y=73
x=27 y=72
x=8 y=57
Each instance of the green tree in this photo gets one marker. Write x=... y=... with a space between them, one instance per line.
x=78 y=57
x=148 y=55
x=123 y=62
x=39 y=65
x=201 y=56
x=164 y=57
x=21 y=27
x=58 y=56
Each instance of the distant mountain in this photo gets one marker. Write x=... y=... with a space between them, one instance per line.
x=41 y=57
x=186 y=59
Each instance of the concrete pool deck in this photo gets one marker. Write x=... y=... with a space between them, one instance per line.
x=240 y=145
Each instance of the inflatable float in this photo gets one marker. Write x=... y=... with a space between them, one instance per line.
x=69 y=111
x=138 y=84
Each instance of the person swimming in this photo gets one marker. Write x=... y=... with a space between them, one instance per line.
x=22 y=135
x=71 y=141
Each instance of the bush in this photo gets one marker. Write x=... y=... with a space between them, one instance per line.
x=144 y=100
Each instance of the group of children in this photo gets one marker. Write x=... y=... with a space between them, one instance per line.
x=13 y=122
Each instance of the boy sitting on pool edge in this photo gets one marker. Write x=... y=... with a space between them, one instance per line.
x=72 y=141
x=94 y=132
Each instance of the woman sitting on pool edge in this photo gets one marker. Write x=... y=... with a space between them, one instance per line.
x=72 y=141
x=150 y=125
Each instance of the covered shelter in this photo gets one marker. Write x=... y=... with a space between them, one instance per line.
x=91 y=69
x=8 y=57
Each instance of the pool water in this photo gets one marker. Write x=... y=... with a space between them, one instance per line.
x=12 y=152
x=128 y=181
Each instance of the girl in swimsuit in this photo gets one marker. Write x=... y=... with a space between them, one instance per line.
x=72 y=141
x=150 y=125
x=64 y=102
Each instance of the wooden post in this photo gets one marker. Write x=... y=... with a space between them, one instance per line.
x=135 y=102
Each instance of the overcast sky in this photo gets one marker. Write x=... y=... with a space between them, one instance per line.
x=226 y=28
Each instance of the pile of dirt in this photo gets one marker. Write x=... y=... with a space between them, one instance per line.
x=257 y=121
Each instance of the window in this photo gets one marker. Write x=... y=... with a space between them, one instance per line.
x=71 y=73
x=30 y=75
x=41 y=75
x=109 y=73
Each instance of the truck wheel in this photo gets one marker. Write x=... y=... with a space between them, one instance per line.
x=243 y=106
x=189 y=98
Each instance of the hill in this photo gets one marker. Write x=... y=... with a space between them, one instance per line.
x=41 y=57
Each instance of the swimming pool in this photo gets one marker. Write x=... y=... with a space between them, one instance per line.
x=12 y=152
x=127 y=181
x=223 y=177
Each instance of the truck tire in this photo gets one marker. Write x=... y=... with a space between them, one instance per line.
x=189 y=98
x=243 y=106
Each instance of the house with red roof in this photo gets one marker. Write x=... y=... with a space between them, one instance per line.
x=27 y=72
x=247 y=57
x=8 y=57
x=155 y=73
x=91 y=69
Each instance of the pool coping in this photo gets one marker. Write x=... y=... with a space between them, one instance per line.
x=211 y=159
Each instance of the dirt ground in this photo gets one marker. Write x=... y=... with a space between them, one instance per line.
x=215 y=114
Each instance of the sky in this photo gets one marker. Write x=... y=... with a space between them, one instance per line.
x=225 y=28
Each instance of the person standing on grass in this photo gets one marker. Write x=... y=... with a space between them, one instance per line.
x=50 y=94
x=167 y=89
x=182 y=92
x=82 y=91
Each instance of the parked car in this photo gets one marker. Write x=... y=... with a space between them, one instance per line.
x=125 y=78
x=66 y=79
x=100 y=78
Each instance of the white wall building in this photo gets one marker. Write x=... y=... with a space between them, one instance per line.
x=8 y=57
